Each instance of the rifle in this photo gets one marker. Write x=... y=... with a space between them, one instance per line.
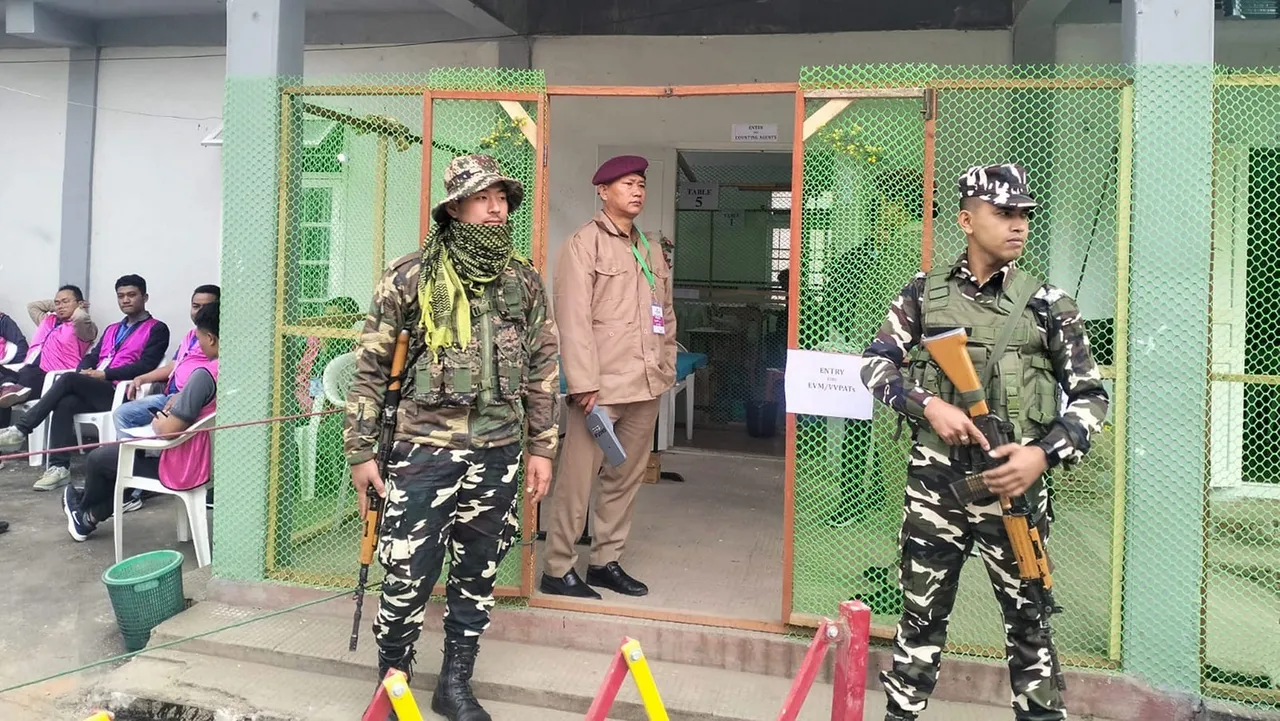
x=949 y=351
x=386 y=439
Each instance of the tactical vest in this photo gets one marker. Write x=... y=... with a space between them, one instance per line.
x=1022 y=387
x=494 y=366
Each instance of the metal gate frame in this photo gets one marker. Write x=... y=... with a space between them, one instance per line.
x=839 y=100
x=539 y=138
x=779 y=625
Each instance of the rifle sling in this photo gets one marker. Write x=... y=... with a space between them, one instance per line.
x=1024 y=288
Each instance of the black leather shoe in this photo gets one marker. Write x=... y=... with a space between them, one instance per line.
x=612 y=577
x=569 y=585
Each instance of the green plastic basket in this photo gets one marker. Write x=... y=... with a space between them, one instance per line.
x=145 y=590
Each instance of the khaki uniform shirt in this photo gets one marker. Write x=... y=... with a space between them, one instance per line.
x=603 y=307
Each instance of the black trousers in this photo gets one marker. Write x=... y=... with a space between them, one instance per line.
x=72 y=393
x=29 y=376
x=98 y=495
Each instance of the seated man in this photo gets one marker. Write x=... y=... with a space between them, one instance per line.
x=181 y=467
x=126 y=350
x=174 y=375
x=64 y=331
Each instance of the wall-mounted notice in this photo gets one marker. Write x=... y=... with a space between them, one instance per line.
x=755 y=132
x=826 y=384
x=699 y=196
x=734 y=219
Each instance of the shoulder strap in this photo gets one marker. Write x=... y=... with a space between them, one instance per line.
x=1022 y=287
x=937 y=291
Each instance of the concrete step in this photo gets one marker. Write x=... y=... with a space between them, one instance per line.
x=177 y=684
x=559 y=679
x=766 y=652
x=769 y=654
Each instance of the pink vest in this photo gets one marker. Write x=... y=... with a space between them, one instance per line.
x=186 y=466
x=129 y=349
x=189 y=358
x=57 y=344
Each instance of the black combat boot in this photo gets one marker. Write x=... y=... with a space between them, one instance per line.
x=453 y=698
x=399 y=659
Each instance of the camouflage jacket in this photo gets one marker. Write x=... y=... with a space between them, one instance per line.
x=395 y=307
x=1057 y=319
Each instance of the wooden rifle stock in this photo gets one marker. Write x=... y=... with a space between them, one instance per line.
x=950 y=352
x=386 y=439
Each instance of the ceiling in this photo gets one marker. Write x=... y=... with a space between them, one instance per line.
x=196 y=22
x=118 y=9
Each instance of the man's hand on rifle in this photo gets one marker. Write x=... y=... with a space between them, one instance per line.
x=1013 y=477
x=362 y=476
x=953 y=425
x=537 y=478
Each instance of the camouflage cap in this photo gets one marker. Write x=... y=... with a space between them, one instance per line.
x=470 y=174
x=1004 y=185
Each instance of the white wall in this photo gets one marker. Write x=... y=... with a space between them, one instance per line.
x=327 y=61
x=579 y=126
x=32 y=128
x=1240 y=43
x=156 y=190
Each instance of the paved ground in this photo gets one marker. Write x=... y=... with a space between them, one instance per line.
x=57 y=615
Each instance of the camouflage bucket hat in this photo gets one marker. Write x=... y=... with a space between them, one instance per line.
x=470 y=174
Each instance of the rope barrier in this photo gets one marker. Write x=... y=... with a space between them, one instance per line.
x=166 y=436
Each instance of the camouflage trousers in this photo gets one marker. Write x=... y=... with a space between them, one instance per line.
x=937 y=536
x=441 y=501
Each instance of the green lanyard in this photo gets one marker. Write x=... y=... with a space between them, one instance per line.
x=640 y=259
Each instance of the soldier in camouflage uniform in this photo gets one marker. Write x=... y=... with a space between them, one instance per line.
x=1049 y=353
x=482 y=364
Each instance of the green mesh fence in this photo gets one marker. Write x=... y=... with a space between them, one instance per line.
x=352 y=158
x=1118 y=161
x=1242 y=556
x=862 y=225
x=1165 y=541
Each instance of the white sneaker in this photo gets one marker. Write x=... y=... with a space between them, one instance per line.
x=54 y=478
x=11 y=439
x=131 y=503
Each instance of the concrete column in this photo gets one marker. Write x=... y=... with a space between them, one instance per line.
x=515 y=53
x=1170 y=43
x=77 y=167
x=264 y=51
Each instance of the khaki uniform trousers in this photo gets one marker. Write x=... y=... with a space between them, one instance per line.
x=580 y=462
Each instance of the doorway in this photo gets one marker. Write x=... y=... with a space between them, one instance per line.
x=710 y=545
x=731 y=264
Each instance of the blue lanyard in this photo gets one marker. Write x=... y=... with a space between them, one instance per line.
x=123 y=331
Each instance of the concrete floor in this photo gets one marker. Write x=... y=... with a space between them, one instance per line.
x=56 y=611
x=711 y=545
x=732 y=439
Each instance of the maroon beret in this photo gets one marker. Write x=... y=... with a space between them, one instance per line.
x=615 y=168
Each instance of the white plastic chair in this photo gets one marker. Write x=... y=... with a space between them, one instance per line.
x=103 y=421
x=335 y=381
x=193 y=523
x=39 y=438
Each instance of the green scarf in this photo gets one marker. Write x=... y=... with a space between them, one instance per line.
x=457 y=258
